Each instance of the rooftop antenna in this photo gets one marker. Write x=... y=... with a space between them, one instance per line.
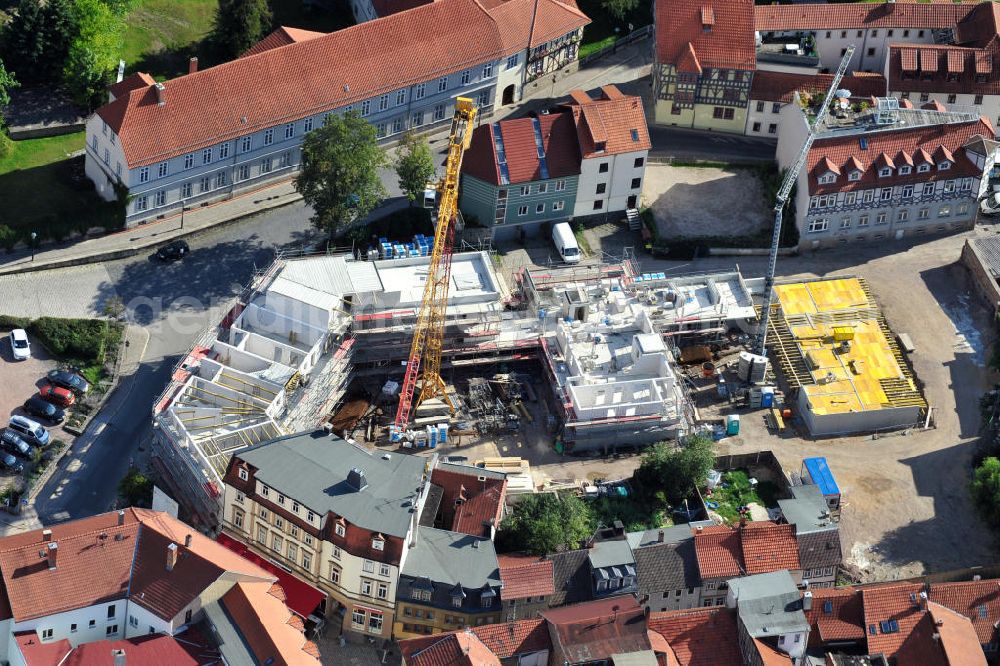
x=791 y=175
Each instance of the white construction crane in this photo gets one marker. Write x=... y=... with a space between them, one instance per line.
x=791 y=175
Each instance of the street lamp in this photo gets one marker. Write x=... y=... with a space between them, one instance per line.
x=183 y=210
x=33 y=237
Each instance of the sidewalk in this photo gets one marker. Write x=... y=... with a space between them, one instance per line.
x=628 y=64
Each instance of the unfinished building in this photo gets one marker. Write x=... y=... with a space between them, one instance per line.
x=836 y=351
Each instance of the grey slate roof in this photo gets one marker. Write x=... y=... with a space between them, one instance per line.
x=666 y=566
x=820 y=549
x=571 y=577
x=988 y=248
x=807 y=510
x=674 y=534
x=471 y=469
x=610 y=554
x=769 y=604
x=312 y=468
x=451 y=558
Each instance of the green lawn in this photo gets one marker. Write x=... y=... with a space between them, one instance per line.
x=735 y=491
x=36 y=152
x=162 y=35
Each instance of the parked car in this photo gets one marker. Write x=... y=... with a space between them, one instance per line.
x=37 y=406
x=173 y=251
x=11 y=441
x=70 y=380
x=19 y=345
x=10 y=462
x=57 y=395
x=31 y=431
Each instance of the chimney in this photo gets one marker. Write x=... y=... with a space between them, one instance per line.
x=187 y=541
x=807 y=601
x=119 y=657
x=121 y=517
x=923 y=601
x=193 y=65
x=46 y=535
x=171 y=556
x=659 y=536
x=53 y=550
x=160 y=101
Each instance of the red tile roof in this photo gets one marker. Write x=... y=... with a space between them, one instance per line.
x=554 y=19
x=700 y=637
x=281 y=37
x=780 y=86
x=459 y=648
x=958 y=638
x=890 y=602
x=718 y=551
x=524 y=577
x=151 y=650
x=900 y=14
x=980 y=26
x=770 y=656
x=131 y=82
x=595 y=630
x=467 y=502
x=977 y=600
x=836 y=615
x=968 y=71
x=769 y=547
x=615 y=119
x=37 y=653
x=387 y=7
x=559 y=143
x=920 y=143
x=263 y=623
x=309 y=77
x=681 y=34
x=513 y=638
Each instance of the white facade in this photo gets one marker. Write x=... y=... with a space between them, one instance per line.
x=105 y=160
x=763 y=118
x=81 y=625
x=510 y=79
x=681 y=599
x=610 y=183
x=871 y=46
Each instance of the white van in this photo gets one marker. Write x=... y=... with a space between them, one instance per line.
x=565 y=242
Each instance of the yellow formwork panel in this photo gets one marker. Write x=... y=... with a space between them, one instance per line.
x=846 y=380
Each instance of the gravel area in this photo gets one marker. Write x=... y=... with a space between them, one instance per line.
x=692 y=202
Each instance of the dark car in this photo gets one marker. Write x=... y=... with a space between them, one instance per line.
x=10 y=462
x=70 y=380
x=173 y=251
x=37 y=406
x=12 y=442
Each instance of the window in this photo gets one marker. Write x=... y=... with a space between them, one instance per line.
x=144 y=175
x=366 y=587
x=204 y=185
x=886 y=194
x=558 y=205
x=132 y=621
x=543 y=188
x=439 y=112
x=339 y=529
x=161 y=198
x=118 y=169
x=885 y=172
x=845 y=223
x=366 y=107
x=269 y=136
x=560 y=185
x=47 y=633
x=513 y=60
x=335 y=574
x=826 y=179
x=400 y=97
x=923 y=168
x=93 y=142
x=141 y=203
x=243 y=474
x=243 y=172
x=442 y=84
x=417 y=119
x=383 y=569
x=601 y=188
x=378 y=544
x=776 y=107
x=863 y=221
x=336 y=552
x=307 y=125
x=760 y=107
x=923 y=213
x=107 y=156
x=397 y=125
x=246 y=143
x=869 y=196
x=375 y=623
x=289 y=130
x=951 y=99
x=675 y=109
x=309 y=540
x=238 y=518
x=522 y=211
x=850 y=198
x=962 y=209
x=602 y=167
x=928 y=189
x=466 y=77
x=488 y=70
x=112 y=630
x=882 y=218
x=639 y=162
x=944 y=166
x=72 y=628
x=382 y=590
x=540 y=208
x=949 y=186
x=903 y=215
x=380 y=130
x=276 y=542
x=874 y=33
x=456 y=601
x=905 y=170
x=636 y=183
x=924 y=97
x=265 y=167
x=828 y=34
x=185 y=190
x=772 y=128
x=756 y=127
x=368 y=566
x=92 y=624
x=418 y=91
x=307 y=561
x=854 y=176
x=944 y=211
x=358 y=618
x=262 y=534
x=284 y=160
x=598 y=205
x=978 y=100
x=224 y=150
x=484 y=98
x=818 y=225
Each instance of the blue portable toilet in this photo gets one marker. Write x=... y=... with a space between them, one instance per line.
x=443 y=433
x=767 y=397
x=816 y=471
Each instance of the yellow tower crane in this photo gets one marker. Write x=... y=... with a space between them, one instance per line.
x=428 y=336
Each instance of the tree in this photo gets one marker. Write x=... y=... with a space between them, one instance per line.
x=7 y=83
x=136 y=488
x=95 y=51
x=541 y=524
x=36 y=40
x=414 y=166
x=985 y=489
x=669 y=473
x=619 y=8
x=339 y=176
x=239 y=24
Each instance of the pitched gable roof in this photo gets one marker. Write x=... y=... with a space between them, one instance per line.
x=958 y=638
x=718 y=552
x=836 y=615
x=726 y=42
x=616 y=120
x=769 y=547
x=514 y=638
x=281 y=37
x=666 y=566
x=513 y=17
x=561 y=153
x=524 y=577
x=466 y=502
x=596 y=630
x=570 y=576
x=700 y=637
x=459 y=648
x=262 y=620
x=978 y=600
x=898 y=603
x=900 y=14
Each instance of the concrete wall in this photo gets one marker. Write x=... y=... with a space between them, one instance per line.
x=855 y=422
x=986 y=284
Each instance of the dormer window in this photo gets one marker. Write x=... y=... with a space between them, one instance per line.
x=854 y=176
x=339 y=529
x=244 y=475
x=378 y=543
x=923 y=168
x=827 y=179
x=600 y=146
x=944 y=166
x=884 y=172
x=905 y=170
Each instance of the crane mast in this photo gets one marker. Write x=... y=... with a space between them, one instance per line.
x=428 y=335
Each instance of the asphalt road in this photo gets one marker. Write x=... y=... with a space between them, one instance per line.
x=686 y=144
x=174 y=304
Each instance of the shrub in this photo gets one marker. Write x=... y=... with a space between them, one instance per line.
x=8 y=237
x=78 y=339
